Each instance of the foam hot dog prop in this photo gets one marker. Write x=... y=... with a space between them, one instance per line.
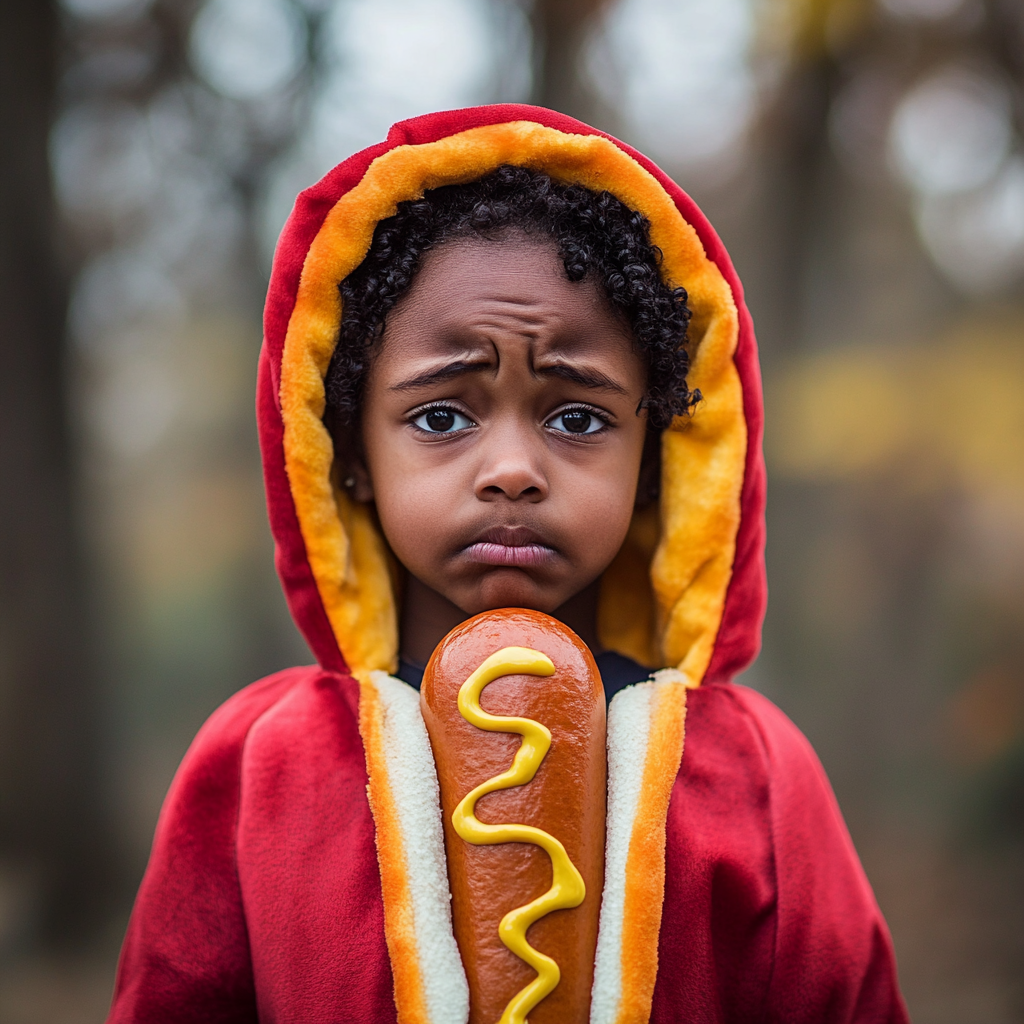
x=515 y=711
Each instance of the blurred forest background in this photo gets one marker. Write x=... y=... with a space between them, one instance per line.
x=864 y=162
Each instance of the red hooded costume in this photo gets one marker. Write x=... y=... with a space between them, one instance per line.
x=278 y=891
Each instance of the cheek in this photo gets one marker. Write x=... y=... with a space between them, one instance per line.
x=598 y=499
x=413 y=503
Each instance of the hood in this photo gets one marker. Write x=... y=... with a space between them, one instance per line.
x=687 y=590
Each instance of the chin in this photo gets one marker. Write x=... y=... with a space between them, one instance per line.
x=512 y=589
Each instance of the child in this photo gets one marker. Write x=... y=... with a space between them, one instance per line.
x=474 y=393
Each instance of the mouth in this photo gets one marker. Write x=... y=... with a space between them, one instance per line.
x=512 y=546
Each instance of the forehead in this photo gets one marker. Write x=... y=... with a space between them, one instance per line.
x=476 y=293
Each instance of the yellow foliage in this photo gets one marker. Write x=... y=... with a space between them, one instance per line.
x=947 y=413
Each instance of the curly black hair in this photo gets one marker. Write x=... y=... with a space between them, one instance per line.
x=595 y=233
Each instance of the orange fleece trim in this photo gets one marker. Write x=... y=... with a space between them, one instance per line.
x=681 y=556
x=645 y=864
x=399 y=924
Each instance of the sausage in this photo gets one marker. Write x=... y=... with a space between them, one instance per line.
x=566 y=799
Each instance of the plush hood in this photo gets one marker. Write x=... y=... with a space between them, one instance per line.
x=687 y=590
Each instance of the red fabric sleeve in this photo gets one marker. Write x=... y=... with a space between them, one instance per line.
x=768 y=914
x=834 y=959
x=186 y=955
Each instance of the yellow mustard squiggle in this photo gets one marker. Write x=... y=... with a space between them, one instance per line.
x=567 y=888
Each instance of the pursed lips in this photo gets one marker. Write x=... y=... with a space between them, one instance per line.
x=511 y=546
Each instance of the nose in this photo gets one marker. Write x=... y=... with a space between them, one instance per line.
x=512 y=468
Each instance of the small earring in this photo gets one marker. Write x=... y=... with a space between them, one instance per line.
x=350 y=482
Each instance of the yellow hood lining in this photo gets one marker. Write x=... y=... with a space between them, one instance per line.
x=662 y=598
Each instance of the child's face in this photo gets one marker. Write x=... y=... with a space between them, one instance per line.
x=500 y=430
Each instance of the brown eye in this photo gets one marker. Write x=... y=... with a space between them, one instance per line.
x=577 y=421
x=442 y=419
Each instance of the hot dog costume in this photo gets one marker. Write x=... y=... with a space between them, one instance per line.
x=297 y=873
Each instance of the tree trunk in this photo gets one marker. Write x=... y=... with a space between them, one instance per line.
x=49 y=826
x=559 y=33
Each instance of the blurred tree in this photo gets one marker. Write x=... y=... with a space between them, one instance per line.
x=873 y=641
x=50 y=833
x=559 y=35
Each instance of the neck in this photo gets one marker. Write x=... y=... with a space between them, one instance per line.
x=427 y=617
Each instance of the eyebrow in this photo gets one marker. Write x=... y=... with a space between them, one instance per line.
x=584 y=376
x=440 y=374
x=590 y=378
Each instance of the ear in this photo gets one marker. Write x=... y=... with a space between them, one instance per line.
x=358 y=482
x=349 y=464
x=649 y=482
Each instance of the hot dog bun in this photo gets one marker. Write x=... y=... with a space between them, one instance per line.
x=565 y=799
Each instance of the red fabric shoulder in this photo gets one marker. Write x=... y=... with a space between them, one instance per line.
x=307 y=862
x=834 y=959
x=768 y=914
x=186 y=954
x=262 y=900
